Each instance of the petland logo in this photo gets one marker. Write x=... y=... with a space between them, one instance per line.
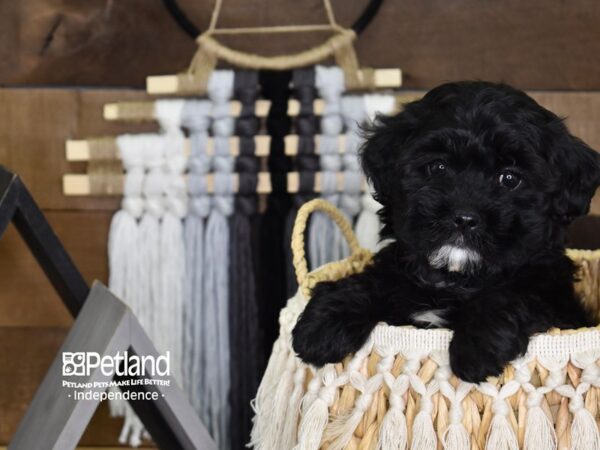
x=122 y=364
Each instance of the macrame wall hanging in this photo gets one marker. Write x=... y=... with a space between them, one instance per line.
x=200 y=246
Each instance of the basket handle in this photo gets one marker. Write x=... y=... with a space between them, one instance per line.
x=298 y=253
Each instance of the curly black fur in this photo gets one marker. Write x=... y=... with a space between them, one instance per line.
x=478 y=184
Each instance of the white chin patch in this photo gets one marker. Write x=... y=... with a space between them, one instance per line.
x=454 y=259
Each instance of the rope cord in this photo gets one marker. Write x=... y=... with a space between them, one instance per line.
x=193 y=31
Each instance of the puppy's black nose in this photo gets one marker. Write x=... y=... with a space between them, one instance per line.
x=466 y=220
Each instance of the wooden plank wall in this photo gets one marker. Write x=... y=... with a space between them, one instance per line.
x=103 y=48
x=536 y=44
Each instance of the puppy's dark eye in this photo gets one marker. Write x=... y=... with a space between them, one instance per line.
x=509 y=179
x=437 y=167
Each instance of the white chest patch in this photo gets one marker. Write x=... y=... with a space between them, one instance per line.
x=432 y=318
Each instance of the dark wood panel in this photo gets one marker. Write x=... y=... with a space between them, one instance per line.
x=25 y=355
x=35 y=125
x=540 y=44
x=27 y=298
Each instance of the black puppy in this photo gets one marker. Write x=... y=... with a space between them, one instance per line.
x=478 y=184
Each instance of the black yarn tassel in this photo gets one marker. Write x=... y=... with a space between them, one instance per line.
x=273 y=291
x=245 y=340
x=307 y=162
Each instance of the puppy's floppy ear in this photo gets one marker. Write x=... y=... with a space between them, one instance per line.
x=579 y=171
x=380 y=152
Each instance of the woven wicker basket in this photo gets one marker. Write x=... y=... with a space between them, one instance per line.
x=398 y=391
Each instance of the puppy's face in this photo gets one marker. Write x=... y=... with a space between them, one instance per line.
x=477 y=178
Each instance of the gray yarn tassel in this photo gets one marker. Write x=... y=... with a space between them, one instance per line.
x=196 y=119
x=216 y=321
x=354 y=114
x=216 y=275
x=324 y=236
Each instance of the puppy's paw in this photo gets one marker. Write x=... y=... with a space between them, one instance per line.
x=475 y=357
x=332 y=326
x=320 y=343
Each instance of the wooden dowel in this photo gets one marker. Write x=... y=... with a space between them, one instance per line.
x=144 y=111
x=175 y=84
x=292 y=140
x=293 y=182
x=112 y=185
x=107 y=148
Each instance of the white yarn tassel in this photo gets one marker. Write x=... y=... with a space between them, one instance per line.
x=584 y=431
x=314 y=421
x=275 y=368
x=313 y=425
x=501 y=435
x=456 y=437
x=312 y=392
x=539 y=432
x=423 y=433
x=275 y=430
x=339 y=432
x=393 y=434
x=290 y=427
